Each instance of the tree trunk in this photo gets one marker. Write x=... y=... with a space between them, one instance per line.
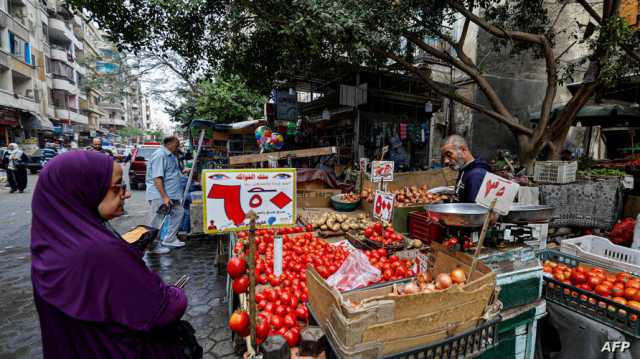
x=526 y=152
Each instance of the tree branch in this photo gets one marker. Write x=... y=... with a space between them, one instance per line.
x=550 y=93
x=469 y=69
x=594 y=14
x=451 y=94
x=463 y=35
x=494 y=30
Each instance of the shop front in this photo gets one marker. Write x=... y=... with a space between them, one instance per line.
x=10 y=130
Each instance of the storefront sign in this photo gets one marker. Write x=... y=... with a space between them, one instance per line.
x=500 y=189
x=383 y=206
x=381 y=171
x=229 y=195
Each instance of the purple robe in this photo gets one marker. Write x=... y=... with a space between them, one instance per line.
x=94 y=294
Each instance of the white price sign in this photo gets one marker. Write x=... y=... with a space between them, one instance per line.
x=382 y=171
x=383 y=206
x=500 y=189
x=277 y=256
x=229 y=195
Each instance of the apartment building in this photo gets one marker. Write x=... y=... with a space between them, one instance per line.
x=46 y=54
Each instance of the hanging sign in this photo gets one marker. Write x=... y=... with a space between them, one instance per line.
x=382 y=171
x=230 y=194
x=383 y=206
x=500 y=189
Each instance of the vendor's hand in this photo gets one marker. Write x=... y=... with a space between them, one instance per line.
x=186 y=170
x=166 y=201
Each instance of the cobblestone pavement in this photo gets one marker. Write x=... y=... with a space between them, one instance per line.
x=19 y=327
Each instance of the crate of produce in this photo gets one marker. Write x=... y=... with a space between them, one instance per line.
x=601 y=250
x=615 y=310
x=558 y=172
x=375 y=322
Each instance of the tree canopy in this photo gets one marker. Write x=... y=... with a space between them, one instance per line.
x=269 y=41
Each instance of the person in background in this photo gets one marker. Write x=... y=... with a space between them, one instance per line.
x=94 y=295
x=96 y=145
x=17 y=168
x=471 y=171
x=164 y=189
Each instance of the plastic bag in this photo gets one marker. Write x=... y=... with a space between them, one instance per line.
x=355 y=272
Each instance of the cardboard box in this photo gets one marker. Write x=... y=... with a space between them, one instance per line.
x=382 y=323
x=319 y=198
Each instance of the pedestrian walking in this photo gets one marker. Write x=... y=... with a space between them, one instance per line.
x=164 y=190
x=96 y=145
x=17 y=168
x=94 y=294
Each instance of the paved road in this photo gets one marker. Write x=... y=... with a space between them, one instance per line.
x=19 y=331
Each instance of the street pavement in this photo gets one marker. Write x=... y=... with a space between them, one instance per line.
x=19 y=326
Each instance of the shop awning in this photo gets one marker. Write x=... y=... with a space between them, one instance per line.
x=227 y=126
x=604 y=114
x=36 y=122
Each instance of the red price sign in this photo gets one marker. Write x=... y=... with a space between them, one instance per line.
x=383 y=206
x=500 y=189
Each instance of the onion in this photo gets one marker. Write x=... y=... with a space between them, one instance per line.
x=410 y=288
x=458 y=276
x=422 y=278
x=430 y=287
x=443 y=281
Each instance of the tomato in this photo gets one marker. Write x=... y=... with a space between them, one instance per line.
x=269 y=295
x=262 y=328
x=578 y=278
x=262 y=304
x=607 y=283
x=239 y=322
x=580 y=269
x=603 y=290
x=617 y=292
x=309 y=229
x=610 y=278
x=595 y=281
x=269 y=307
x=387 y=274
x=240 y=285
x=623 y=277
x=302 y=313
x=236 y=267
x=290 y=320
x=274 y=281
x=285 y=297
x=323 y=271
x=276 y=321
x=633 y=283
x=585 y=287
x=401 y=272
x=292 y=338
x=368 y=232
x=377 y=227
x=280 y=310
x=630 y=293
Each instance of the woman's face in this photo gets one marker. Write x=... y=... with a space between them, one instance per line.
x=112 y=204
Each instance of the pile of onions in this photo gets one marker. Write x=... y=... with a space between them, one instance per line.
x=408 y=196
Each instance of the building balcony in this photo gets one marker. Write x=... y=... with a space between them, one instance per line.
x=4 y=60
x=24 y=103
x=71 y=114
x=59 y=83
x=113 y=122
x=112 y=106
x=60 y=32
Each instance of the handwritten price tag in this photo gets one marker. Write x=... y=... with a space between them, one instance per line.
x=500 y=189
x=383 y=206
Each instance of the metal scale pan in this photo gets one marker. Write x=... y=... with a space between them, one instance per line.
x=457 y=214
x=528 y=214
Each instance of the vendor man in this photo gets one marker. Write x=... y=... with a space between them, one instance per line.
x=457 y=155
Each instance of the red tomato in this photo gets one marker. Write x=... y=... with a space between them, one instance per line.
x=236 y=267
x=585 y=287
x=276 y=321
x=240 y=285
x=610 y=278
x=603 y=290
x=262 y=304
x=302 y=313
x=262 y=328
x=578 y=278
x=633 y=283
x=595 y=281
x=387 y=274
x=290 y=320
x=401 y=272
x=617 y=292
x=280 y=310
x=274 y=281
x=630 y=293
x=239 y=322
x=269 y=295
x=292 y=338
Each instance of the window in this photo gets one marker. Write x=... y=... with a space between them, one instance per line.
x=47 y=64
x=20 y=48
x=45 y=32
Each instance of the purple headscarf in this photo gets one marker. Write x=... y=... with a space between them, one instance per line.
x=79 y=266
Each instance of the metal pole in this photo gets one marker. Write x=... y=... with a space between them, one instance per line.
x=193 y=167
x=252 y=276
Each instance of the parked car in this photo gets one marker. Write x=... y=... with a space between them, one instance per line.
x=39 y=159
x=138 y=168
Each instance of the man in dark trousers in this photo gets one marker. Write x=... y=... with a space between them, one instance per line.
x=457 y=155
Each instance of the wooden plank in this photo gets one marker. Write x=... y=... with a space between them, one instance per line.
x=262 y=157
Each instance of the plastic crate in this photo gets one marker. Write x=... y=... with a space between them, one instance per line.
x=601 y=250
x=422 y=228
x=589 y=304
x=559 y=172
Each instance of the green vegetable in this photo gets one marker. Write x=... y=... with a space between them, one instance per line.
x=603 y=172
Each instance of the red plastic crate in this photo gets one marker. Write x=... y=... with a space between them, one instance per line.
x=421 y=227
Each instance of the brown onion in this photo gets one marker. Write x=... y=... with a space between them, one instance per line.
x=443 y=281
x=410 y=288
x=458 y=276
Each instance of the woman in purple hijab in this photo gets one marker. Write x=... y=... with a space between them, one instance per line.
x=94 y=294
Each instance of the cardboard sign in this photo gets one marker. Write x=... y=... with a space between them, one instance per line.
x=229 y=195
x=501 y=189
x=382 y=171
x=383 y=206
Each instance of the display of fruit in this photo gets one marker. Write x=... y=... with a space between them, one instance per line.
x=239 y=323
x=336 y=222
x=387 y=236
x=620 y=287
x=408 y=196
x=350 y=197
x=392 y=267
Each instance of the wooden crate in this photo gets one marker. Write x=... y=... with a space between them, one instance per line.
x=385 y=323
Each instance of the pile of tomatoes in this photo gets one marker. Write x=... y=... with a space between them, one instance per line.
x=621 y=287
x=392 y=267
x=386 y=236
x=281 y=299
